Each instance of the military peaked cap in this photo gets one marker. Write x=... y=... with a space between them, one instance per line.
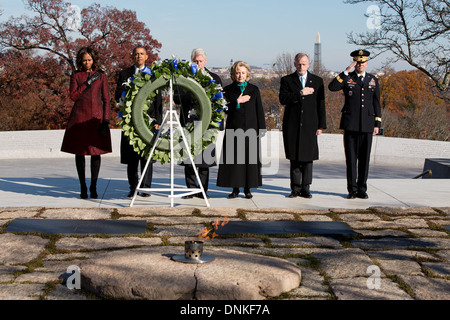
x=360 y=55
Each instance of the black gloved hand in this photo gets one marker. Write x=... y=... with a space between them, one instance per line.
x=92 y=78
x=104 y=128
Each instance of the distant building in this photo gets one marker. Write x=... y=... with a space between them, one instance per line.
x=317 y=55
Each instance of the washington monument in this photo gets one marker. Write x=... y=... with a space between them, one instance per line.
x=317 y=55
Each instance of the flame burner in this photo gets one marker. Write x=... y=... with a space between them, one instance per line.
x=193 y=253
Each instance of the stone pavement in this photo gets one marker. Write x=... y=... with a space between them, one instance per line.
x=401 y=252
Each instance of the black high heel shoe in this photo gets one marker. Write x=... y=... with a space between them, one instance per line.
x=233 y=194
x=83 y=193
x=248 y=194
x=93 y=190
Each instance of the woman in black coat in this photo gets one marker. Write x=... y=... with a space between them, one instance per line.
x=240 y=164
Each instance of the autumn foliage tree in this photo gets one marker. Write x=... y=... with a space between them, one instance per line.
x=33 y=92
x=411 y=106
x=37 y=55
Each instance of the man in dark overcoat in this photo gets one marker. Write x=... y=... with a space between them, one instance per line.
x=361 y=120
x=304 y=119
x=127 y=154
x=207 y=158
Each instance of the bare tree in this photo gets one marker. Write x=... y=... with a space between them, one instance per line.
x=284 y=64
x=415 y=31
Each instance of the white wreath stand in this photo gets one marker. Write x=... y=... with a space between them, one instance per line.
x=173 y=120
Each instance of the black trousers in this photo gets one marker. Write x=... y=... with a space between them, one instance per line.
x=191 y=179
x=357 y=146
x=133 y=176
x=301 y=175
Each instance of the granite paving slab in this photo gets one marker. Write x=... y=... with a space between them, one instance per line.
x=286 y=227
x=403 y=243
x=79 y=227
x=357 y=289
x=16 y=249
x=344 y=263
x=428 y=288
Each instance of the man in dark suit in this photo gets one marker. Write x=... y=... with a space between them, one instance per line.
x=127 y=155
x=304 y=119
x=361 y=120
x=202 y=163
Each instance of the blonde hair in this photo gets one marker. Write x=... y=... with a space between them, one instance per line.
x=237 y=65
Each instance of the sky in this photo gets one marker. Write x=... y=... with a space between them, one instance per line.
x=255 y=31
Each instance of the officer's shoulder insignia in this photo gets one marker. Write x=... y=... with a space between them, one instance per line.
x=338 y=78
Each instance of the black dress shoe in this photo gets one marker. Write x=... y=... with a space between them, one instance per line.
x=351 y=195
x=233 y=195
x=362 y=195
x=247 y=193
x=293 y=194
x=200 y=195
x=305 y=194
x=130 y=194
x=93 y=191
x=83 y=193
x=145 y=195
x=188 y=197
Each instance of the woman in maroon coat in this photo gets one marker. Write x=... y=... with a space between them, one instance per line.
x=87 y=131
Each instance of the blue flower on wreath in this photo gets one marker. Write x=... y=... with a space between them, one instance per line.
x=147 y=70
x=175 y=64
x=218 y=95
x=194 y=68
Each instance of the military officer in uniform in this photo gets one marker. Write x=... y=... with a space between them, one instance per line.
x=361 y=120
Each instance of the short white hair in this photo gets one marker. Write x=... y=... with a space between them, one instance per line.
x=198 y=52
x=300 y=55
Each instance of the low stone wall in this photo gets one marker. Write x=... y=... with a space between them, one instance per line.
x=396 y=151
x=41 y=144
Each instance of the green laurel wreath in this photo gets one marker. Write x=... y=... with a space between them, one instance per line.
x=167 y=69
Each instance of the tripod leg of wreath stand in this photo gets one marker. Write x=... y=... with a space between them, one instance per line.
x=192 y=160
x=172 y=158
x=180 y=127
x=148 y=161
